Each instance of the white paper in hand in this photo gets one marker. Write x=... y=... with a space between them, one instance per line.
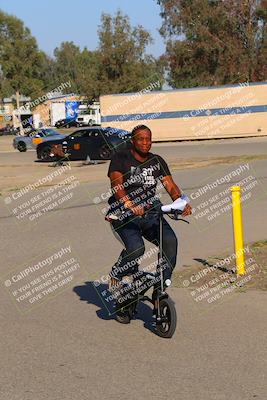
x=178 y=204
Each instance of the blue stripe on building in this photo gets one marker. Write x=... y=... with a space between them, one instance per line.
x=220 y=112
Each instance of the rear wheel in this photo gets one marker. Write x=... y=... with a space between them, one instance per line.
x=105 y=152
x=44 y=153
x=22 y=146
x=123 y=317
x=166 y=326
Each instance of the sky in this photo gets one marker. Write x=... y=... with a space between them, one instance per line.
x=54 y=21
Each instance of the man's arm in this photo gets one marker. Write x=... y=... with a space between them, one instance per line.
x=171 y=187
x=175 y=192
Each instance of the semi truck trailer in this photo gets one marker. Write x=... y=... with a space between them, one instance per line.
x=191 y=114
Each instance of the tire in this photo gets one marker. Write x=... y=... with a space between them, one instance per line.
x=44 y=153
x=123 y=319
x=22 y=147
x=90 y=123
x=105 y=152
x=168 y=312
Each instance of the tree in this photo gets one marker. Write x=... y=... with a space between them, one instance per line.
x=123 y=64
x=21 y=62
x=120 y=63
x=78 y=67
x=214 y=42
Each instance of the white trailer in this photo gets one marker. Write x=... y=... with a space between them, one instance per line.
x=187 y=114
x=57 y=111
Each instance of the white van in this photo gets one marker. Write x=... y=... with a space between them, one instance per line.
x=89 y=115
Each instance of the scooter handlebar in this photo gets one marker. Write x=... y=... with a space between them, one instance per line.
x=178 y=205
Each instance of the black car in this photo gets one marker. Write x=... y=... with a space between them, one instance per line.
x=97 y=143
x=66 y=123
x=8 y=130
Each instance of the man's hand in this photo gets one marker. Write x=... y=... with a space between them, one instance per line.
x=138 y=210
x=187 y=210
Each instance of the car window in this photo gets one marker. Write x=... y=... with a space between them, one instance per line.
x=94 y=133
x=50 y=132
x=79 y=134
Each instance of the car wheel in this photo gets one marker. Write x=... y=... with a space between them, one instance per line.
x=90 y=123
x=105 y=152
x=80 y=125
x=44 y=153
x=22 y=146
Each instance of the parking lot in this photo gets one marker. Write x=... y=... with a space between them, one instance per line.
x=71 y=332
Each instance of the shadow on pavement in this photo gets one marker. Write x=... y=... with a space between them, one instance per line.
x=92 y=295
x=207 y=264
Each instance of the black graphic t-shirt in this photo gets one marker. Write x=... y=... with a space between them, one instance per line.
x=139 y=178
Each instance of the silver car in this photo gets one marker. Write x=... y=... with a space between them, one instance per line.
x=24 y=143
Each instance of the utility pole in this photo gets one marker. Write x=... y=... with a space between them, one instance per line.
x=21 y=131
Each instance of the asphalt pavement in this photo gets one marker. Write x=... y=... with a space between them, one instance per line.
x=66 y=345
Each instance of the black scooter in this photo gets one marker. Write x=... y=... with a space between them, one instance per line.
x=130 y=290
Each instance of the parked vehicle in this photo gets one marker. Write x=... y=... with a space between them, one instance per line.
x=57 y=112
x=191 y=114
x=66 y=123
x=24 y=143
x=96 y=143
x=89 y=115
x=8 y=130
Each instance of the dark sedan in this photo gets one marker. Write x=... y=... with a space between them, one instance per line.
x=66 y=123
x=8 y=130
x=95 y=143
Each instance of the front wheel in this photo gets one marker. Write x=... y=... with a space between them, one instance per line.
x=166 y=325
x=22 y=147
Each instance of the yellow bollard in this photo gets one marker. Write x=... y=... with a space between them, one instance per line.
x=238 y=230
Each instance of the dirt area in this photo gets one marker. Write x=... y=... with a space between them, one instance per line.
x=219 y=273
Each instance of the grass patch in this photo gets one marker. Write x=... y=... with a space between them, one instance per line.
x=222 y=270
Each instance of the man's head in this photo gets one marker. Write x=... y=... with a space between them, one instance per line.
x=141 y=139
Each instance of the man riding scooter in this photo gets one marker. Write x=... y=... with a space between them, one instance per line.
x=134 y=174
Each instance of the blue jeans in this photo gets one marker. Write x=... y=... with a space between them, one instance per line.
x=132 y=232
